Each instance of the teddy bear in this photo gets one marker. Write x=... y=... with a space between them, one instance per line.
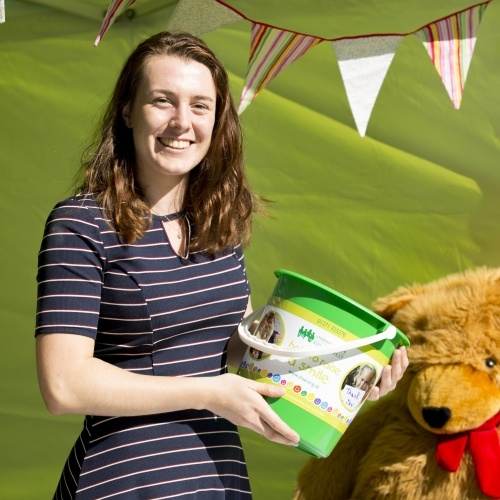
x=436 y=436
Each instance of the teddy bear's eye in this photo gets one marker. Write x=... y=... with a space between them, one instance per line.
x=421 y=323
x=490 y=362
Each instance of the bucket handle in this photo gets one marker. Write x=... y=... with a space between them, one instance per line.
x=251 y=340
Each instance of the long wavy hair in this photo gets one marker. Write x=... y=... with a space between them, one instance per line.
x=218 y=199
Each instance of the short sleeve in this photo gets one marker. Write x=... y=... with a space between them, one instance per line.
x=238 y=251
x=70 y=275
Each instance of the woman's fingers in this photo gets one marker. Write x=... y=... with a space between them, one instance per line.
x=273 y=427
x=399 y=364
x=391 y=374
x=240 y=401
x=280 y=435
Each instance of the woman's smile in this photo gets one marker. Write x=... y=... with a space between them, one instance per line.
x=173 y=143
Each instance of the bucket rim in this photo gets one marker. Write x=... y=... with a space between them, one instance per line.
x=282 y=272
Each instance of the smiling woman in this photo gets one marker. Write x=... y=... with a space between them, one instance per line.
x=171 y=114
x=172 y=117
x=136 y=312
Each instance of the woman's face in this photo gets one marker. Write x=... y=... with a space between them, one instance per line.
x=172 y=118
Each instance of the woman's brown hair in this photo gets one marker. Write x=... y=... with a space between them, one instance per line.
x=218 y=200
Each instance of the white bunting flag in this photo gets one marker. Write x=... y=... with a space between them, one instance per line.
x=200 y=16
x=364 y=63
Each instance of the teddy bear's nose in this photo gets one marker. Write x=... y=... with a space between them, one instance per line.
x=436 y=417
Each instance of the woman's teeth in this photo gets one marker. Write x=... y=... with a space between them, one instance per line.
x=171 y=143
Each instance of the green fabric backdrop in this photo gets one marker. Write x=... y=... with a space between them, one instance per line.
x=415 y=199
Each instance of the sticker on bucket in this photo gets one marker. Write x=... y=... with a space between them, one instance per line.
x=357 y=385
x=270 y=331
x=327 y=368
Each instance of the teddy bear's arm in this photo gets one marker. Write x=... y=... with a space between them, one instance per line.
x=334 y=477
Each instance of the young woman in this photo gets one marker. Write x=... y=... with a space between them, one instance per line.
x=142 y=284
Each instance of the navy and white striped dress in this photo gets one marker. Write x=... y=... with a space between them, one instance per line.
x=154 y=313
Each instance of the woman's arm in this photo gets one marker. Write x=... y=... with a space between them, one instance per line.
x=73 y=381
x=236 y=348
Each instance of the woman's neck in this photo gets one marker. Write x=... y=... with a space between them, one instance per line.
x=164 y=199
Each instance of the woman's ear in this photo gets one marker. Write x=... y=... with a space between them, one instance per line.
x=126 y=115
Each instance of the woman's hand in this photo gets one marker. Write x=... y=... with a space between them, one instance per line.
x=391 y=374
x=240 y=401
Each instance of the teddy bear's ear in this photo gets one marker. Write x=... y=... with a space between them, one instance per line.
x=389 y=305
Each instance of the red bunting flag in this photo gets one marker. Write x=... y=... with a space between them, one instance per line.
x=116 y=7
x=450 y=44
x=272 y=50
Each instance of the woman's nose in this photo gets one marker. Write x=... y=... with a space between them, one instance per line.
x=180 y=118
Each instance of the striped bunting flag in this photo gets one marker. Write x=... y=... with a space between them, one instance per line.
x=272 y=50
x=116 y=7
x=450 y=43
x=210 y=15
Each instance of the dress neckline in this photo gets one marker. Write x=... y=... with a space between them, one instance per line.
x=173 y=216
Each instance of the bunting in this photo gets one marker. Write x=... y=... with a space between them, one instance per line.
x=271 y=51
x=116 y=7
x=210 y=15
x=363 y=63
x=2 y=12
x=450 y=44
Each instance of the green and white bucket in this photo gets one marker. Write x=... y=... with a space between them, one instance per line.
x=327 y=350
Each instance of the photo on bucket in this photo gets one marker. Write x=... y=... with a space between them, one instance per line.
x=270 y=330
x=357 y=385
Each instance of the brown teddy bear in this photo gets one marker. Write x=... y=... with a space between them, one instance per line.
x=436 y=436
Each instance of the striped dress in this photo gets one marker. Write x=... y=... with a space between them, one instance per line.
x=153 y=313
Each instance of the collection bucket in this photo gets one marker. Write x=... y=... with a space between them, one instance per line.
x=327 y=351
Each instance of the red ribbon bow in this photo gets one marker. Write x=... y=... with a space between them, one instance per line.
x=484 y=446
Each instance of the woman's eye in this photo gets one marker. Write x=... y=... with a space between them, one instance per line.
x=490 y=362
x=200 y=106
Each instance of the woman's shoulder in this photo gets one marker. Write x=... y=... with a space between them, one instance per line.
x=238 y=251
x=77 y=211
x=78 y=206
x=75 y=203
